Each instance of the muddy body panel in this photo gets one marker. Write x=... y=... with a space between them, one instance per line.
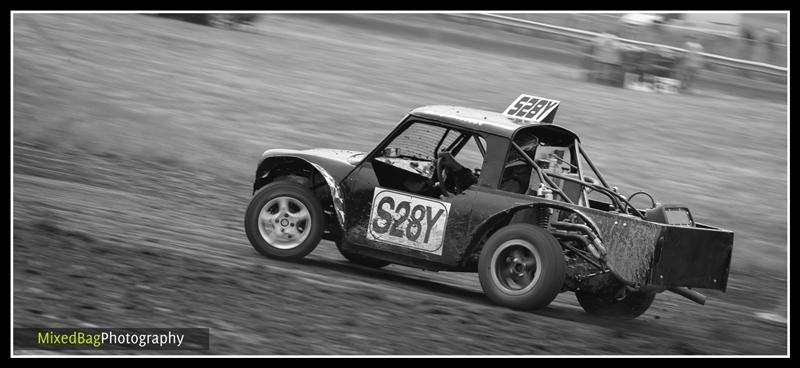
x=649 y=253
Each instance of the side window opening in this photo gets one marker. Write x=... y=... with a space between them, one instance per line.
x=448 y=141
x=408 y=162
x=418 y=142
x=470 y=152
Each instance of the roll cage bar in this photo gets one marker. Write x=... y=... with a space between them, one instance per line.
x=459 y=143
x=545 y=177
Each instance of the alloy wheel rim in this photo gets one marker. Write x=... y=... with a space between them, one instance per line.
x=284 y=222
x=515 y=267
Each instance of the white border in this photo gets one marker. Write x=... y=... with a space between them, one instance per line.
x=788 y=209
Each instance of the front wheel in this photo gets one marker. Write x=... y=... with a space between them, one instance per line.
x=284 y=220
x=522 y=267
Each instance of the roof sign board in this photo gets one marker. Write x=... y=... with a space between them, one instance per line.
x=532 y=108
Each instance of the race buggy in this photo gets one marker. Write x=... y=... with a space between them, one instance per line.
x=509 y=195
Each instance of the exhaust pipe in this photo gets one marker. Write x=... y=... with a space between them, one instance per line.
x=689 y=294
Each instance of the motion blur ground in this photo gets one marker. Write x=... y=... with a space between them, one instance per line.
x=135 y=136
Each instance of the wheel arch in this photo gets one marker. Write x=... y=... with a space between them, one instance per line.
x=306 y=173
x=489 y=226
x=520 y=214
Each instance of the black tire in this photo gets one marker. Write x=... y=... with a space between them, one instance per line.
x=604 y=302
x=549 y=265
x=314 y=223
x=362 y=260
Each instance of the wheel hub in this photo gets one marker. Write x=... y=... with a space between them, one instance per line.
x=514 y=266
x=284 y=222
x=517 y=266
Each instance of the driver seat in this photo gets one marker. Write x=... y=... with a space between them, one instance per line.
x=457 y=178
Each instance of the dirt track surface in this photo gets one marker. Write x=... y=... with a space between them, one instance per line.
x=91 y=251
x=133 y=160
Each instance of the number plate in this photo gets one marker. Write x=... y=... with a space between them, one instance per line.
x=408 y=221
x=532 y=108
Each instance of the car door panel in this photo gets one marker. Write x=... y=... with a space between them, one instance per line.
x=403 y=223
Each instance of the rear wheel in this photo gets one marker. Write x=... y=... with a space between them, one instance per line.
x=284 y=220
x=614 y=301
x=521 y=266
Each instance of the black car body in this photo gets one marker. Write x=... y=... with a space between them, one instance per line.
x=399 y=204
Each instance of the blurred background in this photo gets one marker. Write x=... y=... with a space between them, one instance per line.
x=136 y=138
x=758 y=37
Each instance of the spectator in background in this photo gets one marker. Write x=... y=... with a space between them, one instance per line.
x=749 y=42
x=771 y=40
x=692 y=62
x=606 y=56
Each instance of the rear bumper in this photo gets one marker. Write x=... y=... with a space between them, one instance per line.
x=698 y=257
x=649 y=253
